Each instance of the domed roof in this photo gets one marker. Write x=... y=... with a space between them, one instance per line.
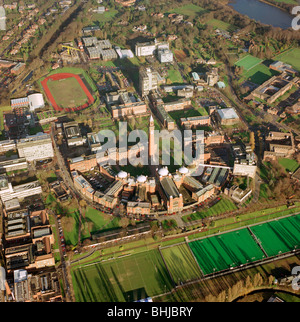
x=163 y=172
x=183 y=170
x=141 y=179
x=122 y=175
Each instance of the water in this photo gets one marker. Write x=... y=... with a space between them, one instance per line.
x=263 y=13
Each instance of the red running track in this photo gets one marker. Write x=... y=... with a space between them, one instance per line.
x=60 y=76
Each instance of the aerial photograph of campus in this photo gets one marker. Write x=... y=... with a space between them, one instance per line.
x=149 y=152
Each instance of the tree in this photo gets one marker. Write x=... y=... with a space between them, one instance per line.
x=124 y=222
x=252 y=141
x=257 y=280
x=248 y=283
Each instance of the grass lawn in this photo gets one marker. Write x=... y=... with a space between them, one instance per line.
x=141 y=123
x=181 y=263
x=289 y=164
x=243 y=220
x=219 y=24
x=258 y=74
x=220 y=207
x=100 y=220
x=3 y=109
x=174 y=76
x=67 y=92
x=177 y=115
x=123 y=279
x=189 y=10
x=290 y=57
x=105 y=17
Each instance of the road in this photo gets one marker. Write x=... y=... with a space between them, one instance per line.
x=63 y=265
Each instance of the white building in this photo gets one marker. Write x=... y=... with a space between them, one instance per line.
x=145 y=49
x=165 y=56
x=36 y=147
x=149 y=48
x=148 y=80
x=9 y=192
x=244 y=170
x=124 y=53
x=2 y=18
x=33 y=101
x=36 y=101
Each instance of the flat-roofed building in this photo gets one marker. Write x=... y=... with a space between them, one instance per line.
x=17 y=226
x=227 y=116
x=73 y=134
x=8 y=192
x=180 y=104
x=145 y=49
x=7 y=145
x=108 y=54
x=148 y=80
x=33 y=101
x=13 y=165
x=165 y=56
x=244 y=170
x=83 y=185
x=83 y=164
x=36 y=147
x=195 y=121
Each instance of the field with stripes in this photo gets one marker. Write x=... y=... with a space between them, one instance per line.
x=157 y=271
x=121 y=279
x=255 y=70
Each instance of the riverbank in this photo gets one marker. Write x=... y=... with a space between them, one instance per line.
x=264 y=12
x=263 y=1
x=275 y=5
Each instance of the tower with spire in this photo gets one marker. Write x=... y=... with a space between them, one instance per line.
x=151 y=138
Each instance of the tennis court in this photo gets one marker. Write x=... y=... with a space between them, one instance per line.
x=118 y=280
x=226 y=251
x=279 y=236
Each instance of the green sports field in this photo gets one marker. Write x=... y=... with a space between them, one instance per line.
x=118 y=280
x=226 y=251
x=181 y=263
x=67 y=92
x=279 y=236
x=259 y=74
x=289 y=164
x=291 y=57
x=248 y=62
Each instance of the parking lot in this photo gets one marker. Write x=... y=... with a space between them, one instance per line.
x=61 y=236
x=98 y=181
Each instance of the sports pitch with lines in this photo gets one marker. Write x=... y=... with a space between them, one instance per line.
x=279 y=236
x=117 y=280
x=154 y=272
x=248 y=62
x=227 y=250
x=181 y=263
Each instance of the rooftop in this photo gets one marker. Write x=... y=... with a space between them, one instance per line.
x=227 y=113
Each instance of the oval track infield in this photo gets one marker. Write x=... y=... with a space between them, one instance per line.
x=52 y=99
